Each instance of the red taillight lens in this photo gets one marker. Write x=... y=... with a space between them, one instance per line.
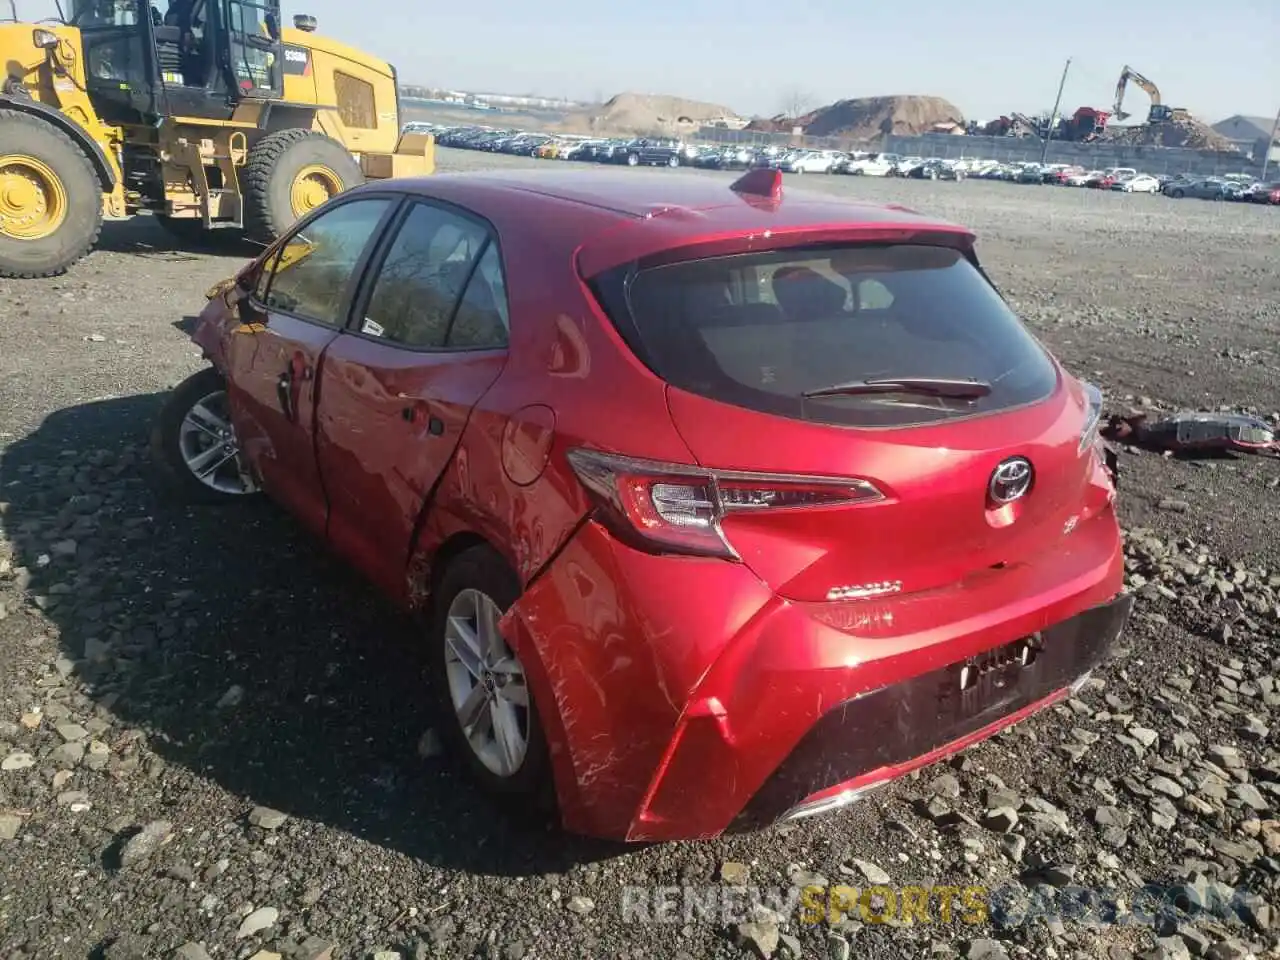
x=679 y=508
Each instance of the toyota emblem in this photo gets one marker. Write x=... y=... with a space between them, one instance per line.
x=1010 y=480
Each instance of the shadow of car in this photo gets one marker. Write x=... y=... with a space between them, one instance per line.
x=239 y=652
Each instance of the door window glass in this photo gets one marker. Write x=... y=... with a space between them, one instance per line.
x=312 y=272
x=422 y=277
x=481 y=321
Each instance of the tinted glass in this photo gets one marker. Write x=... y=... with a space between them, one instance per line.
x=481 y=321
x=762 y=330
x=422 y=277
x=311 y=274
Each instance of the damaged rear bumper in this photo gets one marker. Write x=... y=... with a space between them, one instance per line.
x=873 y=738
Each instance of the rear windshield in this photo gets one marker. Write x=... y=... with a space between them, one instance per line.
x=762 y=330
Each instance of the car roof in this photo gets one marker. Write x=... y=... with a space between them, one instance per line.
x=665 y=209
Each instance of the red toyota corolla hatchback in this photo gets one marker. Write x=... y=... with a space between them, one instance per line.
x=721 y=507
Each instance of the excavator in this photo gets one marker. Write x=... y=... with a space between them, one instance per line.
x=210 y=116
x=1159 y=112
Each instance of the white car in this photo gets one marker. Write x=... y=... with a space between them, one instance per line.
x=1142 y=183
x=808 y=162
x=880 y=165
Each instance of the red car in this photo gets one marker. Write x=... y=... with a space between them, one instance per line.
x=720 y=507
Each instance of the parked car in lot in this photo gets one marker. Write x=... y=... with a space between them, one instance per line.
x=808 y=161
x=1058 y=173
x=904 y=166
x=937 y=170
x=1268 y=193
x=1205 y=189
x=1141 y=183
x=875 y=165
x=530 y=411
x=1237 y=190
x=654 y=153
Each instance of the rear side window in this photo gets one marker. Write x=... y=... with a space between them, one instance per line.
x=423 y=275
x=764 y=330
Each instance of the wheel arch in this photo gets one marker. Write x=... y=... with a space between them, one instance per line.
x=79 y=136
x=454 y=546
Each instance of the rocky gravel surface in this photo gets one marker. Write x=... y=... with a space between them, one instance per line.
x=213 y=742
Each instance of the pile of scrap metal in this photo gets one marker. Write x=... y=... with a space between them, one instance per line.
x=1195 y=434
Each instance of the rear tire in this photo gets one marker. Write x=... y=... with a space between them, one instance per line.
x=50 y=198
x=481 y=574
x=288 y=174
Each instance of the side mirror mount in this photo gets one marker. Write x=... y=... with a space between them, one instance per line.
x=273 y=26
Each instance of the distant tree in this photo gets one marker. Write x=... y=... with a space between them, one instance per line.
x=796 y=103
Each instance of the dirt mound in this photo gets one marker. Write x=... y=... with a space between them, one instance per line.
x=1182 y=131
x=870 y=118
x=643 y=113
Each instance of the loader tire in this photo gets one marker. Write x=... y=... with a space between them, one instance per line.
x=50 y=198
x=288 y=174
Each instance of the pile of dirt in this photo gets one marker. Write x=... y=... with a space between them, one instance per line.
x=649 y=114
x=870 y=118
x=1181 y=131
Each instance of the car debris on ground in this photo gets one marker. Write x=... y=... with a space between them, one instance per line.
x=1192 y=433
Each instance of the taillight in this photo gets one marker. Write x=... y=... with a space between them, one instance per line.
x=679 y=508
x=1093 y=416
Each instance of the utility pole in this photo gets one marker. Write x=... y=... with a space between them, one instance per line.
x=1053 y=117
x=1266 y=157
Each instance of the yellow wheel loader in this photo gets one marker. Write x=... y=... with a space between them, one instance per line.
x=208 y=115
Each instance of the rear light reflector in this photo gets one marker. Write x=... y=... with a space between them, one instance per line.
x=1093 y=416
x=679 y=508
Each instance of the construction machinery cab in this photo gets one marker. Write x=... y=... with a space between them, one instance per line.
x=198 y=58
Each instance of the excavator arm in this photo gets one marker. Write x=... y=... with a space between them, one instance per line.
x=1151 y=90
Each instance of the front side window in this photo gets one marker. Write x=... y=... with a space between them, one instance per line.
x=312 y=273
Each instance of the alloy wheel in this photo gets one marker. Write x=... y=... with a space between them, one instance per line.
x=208 y=446
x=486 y=684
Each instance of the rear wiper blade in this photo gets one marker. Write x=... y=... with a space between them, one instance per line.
x=929 y=386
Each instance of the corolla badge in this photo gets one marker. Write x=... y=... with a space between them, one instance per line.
x=859 y=591
x=1010 y=480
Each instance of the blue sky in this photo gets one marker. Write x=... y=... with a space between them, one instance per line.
x=986 y=56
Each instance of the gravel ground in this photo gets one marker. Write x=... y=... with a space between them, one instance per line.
x=210 y=733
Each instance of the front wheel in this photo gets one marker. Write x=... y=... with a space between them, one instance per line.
x=633 y=160
x=194 y=444
x=673 y=161
x=1177 y=194
x=487 y=712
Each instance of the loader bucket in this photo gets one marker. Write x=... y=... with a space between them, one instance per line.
x=415 y=156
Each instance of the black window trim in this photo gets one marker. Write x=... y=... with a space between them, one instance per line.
x=343 y=314
x=368 y=278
